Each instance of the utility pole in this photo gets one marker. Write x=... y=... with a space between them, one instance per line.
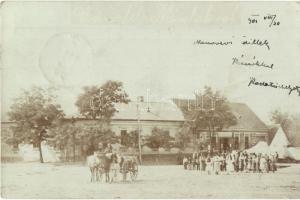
x=139 y=131
x=74 y=139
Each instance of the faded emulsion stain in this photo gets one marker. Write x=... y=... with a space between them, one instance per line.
x=66 y=59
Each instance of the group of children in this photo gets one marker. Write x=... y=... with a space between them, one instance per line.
x=230 y=162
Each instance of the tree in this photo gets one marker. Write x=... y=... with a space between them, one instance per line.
x=159 y=138
x=100 y=101
x=290 y=123
x=279 y=117
x=131 y=139
x=211 y=113
x=183 y=137
x=65 y=134
x=71 y=134
x=34 y=111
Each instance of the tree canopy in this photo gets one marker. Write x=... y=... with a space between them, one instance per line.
x=100 y=101
x=159 y=138
x=131 y=139
x=211 y=112
x=290 y=123
x=34 y=111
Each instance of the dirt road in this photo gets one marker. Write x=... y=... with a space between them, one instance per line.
x=34 y=180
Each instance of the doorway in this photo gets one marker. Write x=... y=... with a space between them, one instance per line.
x=224 y=144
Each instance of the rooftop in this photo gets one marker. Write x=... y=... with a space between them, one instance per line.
x=159 y=111
x=246 y=118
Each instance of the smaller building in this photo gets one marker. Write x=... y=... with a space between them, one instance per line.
x=246 y=133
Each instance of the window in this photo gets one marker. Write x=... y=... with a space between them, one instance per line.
x=123 y=136
x=236 y=142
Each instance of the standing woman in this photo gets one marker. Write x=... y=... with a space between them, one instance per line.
x=208 y=165
x=258 y=164
x=263 y=164
x=198 y=162
x=241 y=162
x=229 y=164
x=185 y=162
x=249 y=164
x=246 y=161
x=254 y=161
x=202 y=160
x=217 y=164
x=273 y=161
x=237 y=162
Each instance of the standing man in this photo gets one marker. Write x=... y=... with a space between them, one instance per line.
x=108 y=148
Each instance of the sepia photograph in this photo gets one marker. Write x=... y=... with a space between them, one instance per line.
x=150 y=99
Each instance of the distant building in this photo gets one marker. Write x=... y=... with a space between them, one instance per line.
x=246 y=133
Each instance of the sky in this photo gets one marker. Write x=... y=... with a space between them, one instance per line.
x=149 y=46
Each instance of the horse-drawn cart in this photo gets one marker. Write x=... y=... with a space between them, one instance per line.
x=110 y=165
x=129 y=164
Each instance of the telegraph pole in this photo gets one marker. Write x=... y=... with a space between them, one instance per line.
x=139 y=131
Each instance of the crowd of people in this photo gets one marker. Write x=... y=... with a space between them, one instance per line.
x=231 y=162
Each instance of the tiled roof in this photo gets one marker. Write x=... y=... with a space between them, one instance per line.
x=246 y=119
x=159 y=111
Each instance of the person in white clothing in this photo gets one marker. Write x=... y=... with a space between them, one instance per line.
x=209 y=164
x=229 y=164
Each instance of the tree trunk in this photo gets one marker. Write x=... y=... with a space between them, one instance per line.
x=81 y=149
x=40 y=150
x=74 y=147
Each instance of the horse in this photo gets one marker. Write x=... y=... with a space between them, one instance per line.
x=105 y=165
x=114 y=168
x=99 y=165
x=93 y=163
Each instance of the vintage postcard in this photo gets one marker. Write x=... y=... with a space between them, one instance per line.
x=142 y=99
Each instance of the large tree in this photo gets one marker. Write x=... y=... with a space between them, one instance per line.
x=290 y=123
x=99 y=102
x=34 y=111
x=66 y=134
x=130 y=139
x=282 y=118
x=69 y=135
x=211 y=112
x=183 y=136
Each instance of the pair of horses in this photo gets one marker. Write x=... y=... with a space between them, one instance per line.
x=110 y=165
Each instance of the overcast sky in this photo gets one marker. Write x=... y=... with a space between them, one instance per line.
x=150 y=46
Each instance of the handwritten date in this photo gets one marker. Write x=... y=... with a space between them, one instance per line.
x=270 y=19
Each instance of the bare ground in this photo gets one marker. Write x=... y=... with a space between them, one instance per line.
x=34 y=180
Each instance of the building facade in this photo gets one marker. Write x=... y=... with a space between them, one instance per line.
x=146 y=116
x=245 y=134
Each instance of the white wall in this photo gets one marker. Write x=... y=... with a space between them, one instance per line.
x=145 y=126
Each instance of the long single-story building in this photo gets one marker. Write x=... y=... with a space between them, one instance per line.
x=145 y=116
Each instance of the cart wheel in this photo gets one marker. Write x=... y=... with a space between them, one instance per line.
x=133 y=175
